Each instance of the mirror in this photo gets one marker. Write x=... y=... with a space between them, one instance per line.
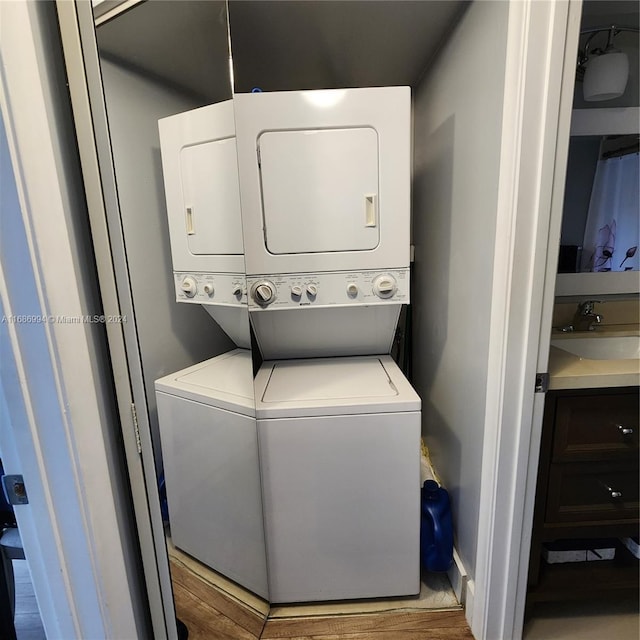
x=601 y=171
x=603 y=145
x=601 y=199
x=160 y=61
x=166 y=79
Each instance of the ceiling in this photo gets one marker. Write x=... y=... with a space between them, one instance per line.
x=279 y=45
x=597 y=13
x=182 y=43
x=310 y=44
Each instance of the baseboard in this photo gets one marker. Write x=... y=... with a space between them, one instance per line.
x=468 y=607
x=458 y=578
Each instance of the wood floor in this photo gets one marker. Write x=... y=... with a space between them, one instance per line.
x=435 y=625
x=27 y=619
x=210 y=614
x=210 y=617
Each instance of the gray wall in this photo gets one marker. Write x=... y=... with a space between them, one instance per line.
x=457 y=127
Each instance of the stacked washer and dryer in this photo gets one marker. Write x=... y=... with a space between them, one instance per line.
x=324 y=183
x=206 y=413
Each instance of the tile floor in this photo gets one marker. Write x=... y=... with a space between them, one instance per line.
x=435 y=594
x=584 y=621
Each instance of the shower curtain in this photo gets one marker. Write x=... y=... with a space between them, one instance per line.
x=612 y=228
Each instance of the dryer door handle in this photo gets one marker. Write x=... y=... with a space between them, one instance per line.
x=370 y=208
x=189 y=221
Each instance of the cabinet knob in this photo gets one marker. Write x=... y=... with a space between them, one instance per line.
x=613 y=493
x=625 y=431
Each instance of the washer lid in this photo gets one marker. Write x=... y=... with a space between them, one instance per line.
x=332 y=386
x=225 y=382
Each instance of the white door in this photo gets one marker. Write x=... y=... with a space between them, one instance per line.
x=524 y=275
x=334 y=206
x=56 y=416
x=209 y=173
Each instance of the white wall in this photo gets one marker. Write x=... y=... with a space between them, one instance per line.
x=14 y=424
x=457 y=128
x=171 y=335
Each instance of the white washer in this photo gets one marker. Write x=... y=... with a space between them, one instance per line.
x=339 y=442
x=199 y=164
x=209 y=446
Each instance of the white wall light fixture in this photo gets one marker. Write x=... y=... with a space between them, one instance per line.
x=604 y=72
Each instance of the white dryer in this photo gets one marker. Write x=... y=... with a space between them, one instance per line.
x=199 y=163
x=210 y=451
x=339 y=442
x=325 y=186
x=325 y=179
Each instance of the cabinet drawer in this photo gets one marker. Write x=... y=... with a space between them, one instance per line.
x=596 y=427
x=580 y=492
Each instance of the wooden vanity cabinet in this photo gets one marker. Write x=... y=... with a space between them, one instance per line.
x=588 y=478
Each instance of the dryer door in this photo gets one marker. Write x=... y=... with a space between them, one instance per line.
x=334 y=205
x=211 y=194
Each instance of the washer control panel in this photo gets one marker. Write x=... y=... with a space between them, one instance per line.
x=211 y=288
x=329 y=289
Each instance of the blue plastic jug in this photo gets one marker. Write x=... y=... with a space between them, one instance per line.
x=436 y=531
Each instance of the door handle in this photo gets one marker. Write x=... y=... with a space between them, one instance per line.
x=189 y=221
x=370 y=210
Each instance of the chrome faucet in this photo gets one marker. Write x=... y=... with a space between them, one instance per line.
x=585 y=319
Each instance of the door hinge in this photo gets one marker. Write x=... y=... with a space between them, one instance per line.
x=14 y=490
x=136 y=428
x=542 y=382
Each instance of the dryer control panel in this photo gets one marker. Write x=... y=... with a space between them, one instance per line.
x=353 y=288
x=211 y=288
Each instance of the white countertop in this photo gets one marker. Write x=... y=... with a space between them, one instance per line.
x=567 y=371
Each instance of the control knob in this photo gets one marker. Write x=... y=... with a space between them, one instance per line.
x=189 y=286
x=312 y=290
x=264 y=293
x=352 y=289
x=296 y=291
x=384 y=286
x=208 y=289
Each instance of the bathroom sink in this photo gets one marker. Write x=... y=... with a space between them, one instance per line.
x=600 y=347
